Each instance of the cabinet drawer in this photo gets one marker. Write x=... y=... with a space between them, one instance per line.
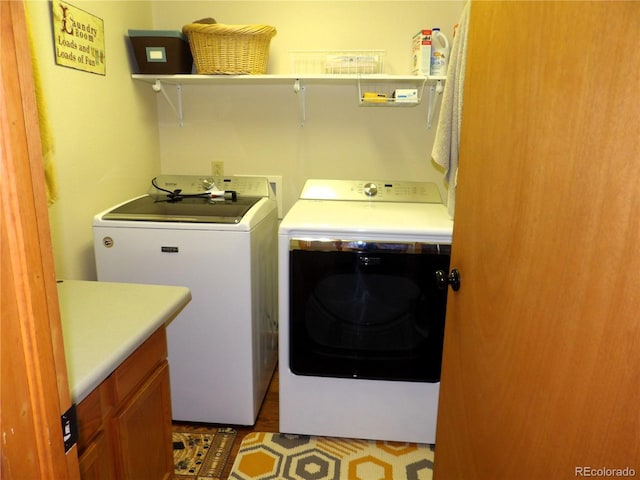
x=140 y=364
x=142 y=430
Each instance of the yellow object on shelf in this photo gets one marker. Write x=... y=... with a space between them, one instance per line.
x=374 y=97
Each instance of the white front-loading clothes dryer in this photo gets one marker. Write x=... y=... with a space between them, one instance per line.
x=361 y=312
x=222 y=348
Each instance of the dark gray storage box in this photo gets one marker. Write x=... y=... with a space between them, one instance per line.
x=163 y=52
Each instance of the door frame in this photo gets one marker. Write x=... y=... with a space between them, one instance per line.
x=35 y=391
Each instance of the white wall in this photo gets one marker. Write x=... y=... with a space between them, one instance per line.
x=112 y=134
x=256 y=129
x=104 y=127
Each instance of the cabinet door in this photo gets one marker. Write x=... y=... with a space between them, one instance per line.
x=142 y=431
x=95 y=453
x=95 y=463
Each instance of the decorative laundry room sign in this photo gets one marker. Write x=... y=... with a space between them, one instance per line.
x=78 y=38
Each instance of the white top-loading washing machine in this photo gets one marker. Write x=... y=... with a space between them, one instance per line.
x=362 y=310
x=223 y=346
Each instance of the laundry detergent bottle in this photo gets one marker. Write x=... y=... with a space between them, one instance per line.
x=439 y=53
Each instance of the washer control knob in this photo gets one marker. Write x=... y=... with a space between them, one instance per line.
x=207 y=183
x=370 y=189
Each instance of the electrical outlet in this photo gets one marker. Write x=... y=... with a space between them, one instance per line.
x=217 y=169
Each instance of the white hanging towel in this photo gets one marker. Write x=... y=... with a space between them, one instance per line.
x=447 y=140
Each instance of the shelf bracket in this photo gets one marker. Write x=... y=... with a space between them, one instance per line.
x=433 y=89
x=159 y=88
x=299 y=90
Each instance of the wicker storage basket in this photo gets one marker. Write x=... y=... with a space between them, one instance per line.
x=229 y=49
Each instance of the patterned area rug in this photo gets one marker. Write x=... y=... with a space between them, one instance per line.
x=271 y=456
x=201 y=455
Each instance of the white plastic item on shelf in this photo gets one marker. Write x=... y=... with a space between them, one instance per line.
x=337 y=61
x=439 y=53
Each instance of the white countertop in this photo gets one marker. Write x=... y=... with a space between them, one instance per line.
x=104 y=322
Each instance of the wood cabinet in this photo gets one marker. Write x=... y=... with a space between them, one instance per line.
x=93 y=447
x=125 y=423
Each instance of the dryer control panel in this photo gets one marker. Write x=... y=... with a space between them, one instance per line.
x=371 y=190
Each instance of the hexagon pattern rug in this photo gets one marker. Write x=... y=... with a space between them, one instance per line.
x=271 y=456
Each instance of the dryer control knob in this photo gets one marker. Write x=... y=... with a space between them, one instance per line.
x=370 y=189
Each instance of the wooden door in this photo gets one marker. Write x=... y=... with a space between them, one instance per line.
x=541 y=370
x=34 y=390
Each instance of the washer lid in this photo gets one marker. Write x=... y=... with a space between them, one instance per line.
x=151 y=208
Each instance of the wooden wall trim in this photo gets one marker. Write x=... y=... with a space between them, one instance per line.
x=32 y=367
